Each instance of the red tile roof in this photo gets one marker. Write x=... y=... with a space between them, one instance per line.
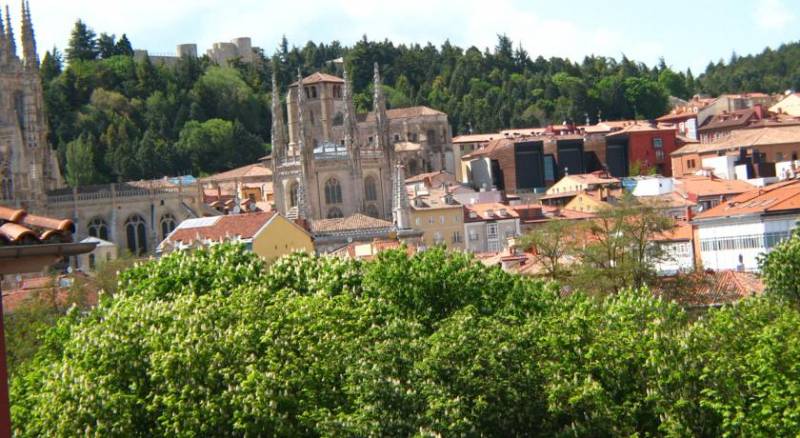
x=317 y=77
x=475 y=138
x=406 y=113
x=712 y=288
x=250 y=170
x=775 y=198
x=490 y=211
x=242 y=226
x=33 y=288
x=681 y=231
x=357 y=221
x=702 y=186
x=744 y=138
x=18 y=227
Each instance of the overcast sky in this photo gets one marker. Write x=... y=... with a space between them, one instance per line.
x=687 y=33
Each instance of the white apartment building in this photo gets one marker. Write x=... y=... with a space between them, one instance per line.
x=734 y=234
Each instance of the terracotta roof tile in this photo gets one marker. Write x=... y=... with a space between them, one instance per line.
x=745 y=138
x=713 y=288
x=250 y=170
x=406 y=113
x=19 y=227
x=490 y=211
x=350 y=223
x=775 y=198
x=701 y=186
x=317 y=77
x=475 y=138
x=243 y=226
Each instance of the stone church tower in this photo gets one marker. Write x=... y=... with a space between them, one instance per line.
x=28 y=166
x=336 y=163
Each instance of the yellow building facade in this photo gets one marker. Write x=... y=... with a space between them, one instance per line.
x=441 y=224
x=280 y=236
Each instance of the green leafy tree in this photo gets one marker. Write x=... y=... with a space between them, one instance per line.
x=552 y=244
x=780 y=269
x=619 y=252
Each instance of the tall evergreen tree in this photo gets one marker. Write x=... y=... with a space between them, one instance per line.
x=82 y=43
x=51 y=66
x=123 y=46
x=106 y=45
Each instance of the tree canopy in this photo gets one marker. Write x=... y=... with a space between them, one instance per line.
x=480 y=90
x=214 y=343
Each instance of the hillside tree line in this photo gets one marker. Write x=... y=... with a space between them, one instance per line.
x=114 y=119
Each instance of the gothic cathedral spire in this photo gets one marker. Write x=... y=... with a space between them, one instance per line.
x=305 y=157
x=10 y=42
x=400 y=199
x=278 y=137
x=278 y=145
x=382 y=133
x=3 y=41
x=351 y=142
x=28 y=39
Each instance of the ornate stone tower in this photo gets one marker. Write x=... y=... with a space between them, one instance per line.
x=351 y=142
x=382 y=139
x=28 y=166
x=278 y=145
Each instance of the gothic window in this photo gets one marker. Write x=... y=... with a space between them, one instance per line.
x=98 y=228
x=293 y=194
x=333 y=192
x=168 y=224
x=372 y=211
x=19 y=106
x=136 y=231
x=335 y=213
x=338 y=119
x=370 y=191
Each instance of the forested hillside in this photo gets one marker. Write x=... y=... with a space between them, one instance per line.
x=771 y=71
x=114 y=119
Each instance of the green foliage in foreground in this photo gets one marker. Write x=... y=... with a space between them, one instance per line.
x=213 y=343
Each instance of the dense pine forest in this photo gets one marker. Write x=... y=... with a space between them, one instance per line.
x=114 y=119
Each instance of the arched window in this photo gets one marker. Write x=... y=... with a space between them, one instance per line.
x=168 y=224
x=370 y=192
x=293 y=194
x=98 y=228
x=333 y=192
x=19 y=105
x=136 y=231
x=372 y=211
x=335 y=213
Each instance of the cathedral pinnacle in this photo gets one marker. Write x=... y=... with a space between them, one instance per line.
x=28 y=39
x=11 y=44
x=3 y=41
x=302 y=202
x=278 y=139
